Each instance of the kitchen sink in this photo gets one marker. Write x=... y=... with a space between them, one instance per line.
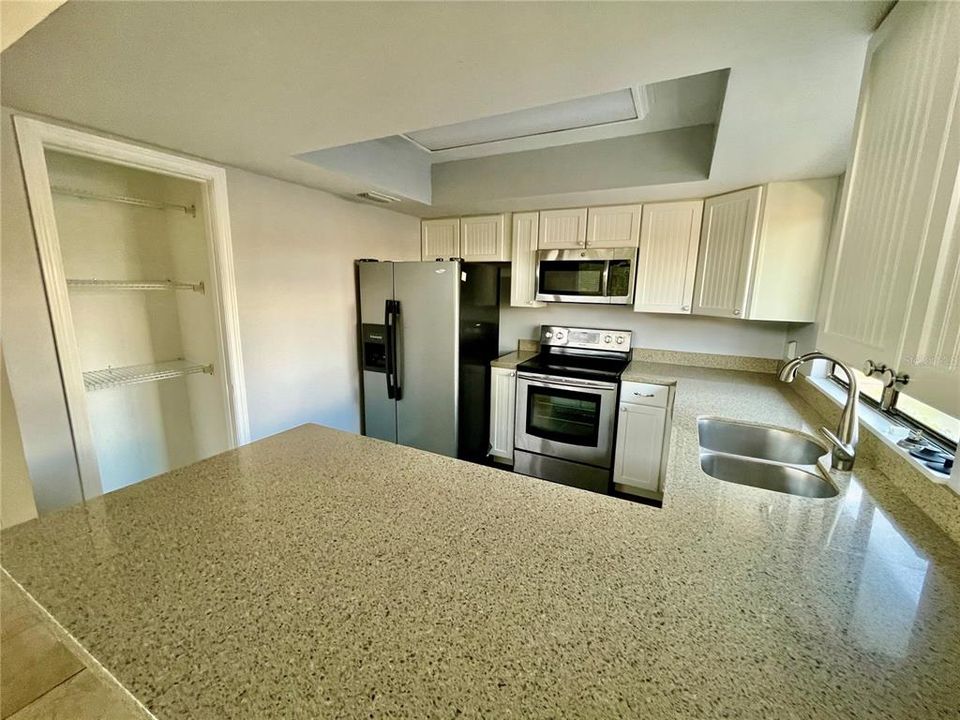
x=762 y=456
x=770 y=476
x=758 y=441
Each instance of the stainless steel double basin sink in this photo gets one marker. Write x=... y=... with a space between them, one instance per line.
x=763 y=456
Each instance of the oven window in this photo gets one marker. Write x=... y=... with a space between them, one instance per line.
x=618 y=280
x=566 y=416
x=571 y=277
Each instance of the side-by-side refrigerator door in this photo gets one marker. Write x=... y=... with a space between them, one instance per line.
x=427 y=294
x=376 y=299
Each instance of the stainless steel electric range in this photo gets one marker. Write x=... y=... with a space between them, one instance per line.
x=566 y=406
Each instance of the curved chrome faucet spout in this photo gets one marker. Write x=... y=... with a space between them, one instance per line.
x=845 y=440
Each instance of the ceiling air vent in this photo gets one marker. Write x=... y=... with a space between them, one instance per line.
x=374 y=196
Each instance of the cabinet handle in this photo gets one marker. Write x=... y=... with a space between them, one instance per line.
x=685 y=308
x=640 y=394
x=736 y=311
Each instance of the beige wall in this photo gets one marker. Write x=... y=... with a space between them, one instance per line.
x=16 y=495
x=293 y=252
x=657 y=331
x=294 y=249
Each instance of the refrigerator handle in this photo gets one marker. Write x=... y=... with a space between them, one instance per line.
x=397 y=332
x=389 y=338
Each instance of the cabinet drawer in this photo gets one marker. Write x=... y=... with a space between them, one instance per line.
x=639 y=393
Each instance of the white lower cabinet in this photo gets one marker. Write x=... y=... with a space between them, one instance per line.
x=641 y=438
x=503 y=397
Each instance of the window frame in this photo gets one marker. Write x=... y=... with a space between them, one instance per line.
x=897 y=416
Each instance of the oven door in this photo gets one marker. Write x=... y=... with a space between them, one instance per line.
x=566 y=418
x=586 y=276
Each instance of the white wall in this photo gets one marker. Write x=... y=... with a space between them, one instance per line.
x=670 y=157
x=687 y=333
x=293 y=251
x=16 y=494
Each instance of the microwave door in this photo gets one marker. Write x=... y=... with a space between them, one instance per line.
x=619 y=282
x=586 y=276
x=577 y=280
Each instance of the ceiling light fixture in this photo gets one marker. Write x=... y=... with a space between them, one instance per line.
x=604 y=109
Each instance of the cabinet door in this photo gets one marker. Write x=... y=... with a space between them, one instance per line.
x=560 y=229
x=667 y=261
x=440 y=239
x=523 y=269
x=727 y=244
x=613 y=227
x=893 y=293
x=484 y=238
x=503 y=395
x=639 y=446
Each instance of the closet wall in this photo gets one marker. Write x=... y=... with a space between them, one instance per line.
x=146 y=428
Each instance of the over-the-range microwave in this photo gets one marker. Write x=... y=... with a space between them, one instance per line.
x=586 y=276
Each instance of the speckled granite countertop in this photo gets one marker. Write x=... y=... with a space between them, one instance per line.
x=322 y=574
x=511 y=360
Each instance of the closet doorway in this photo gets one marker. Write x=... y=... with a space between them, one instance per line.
x=135 y=252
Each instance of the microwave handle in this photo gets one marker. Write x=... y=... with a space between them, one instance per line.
x=606 y=279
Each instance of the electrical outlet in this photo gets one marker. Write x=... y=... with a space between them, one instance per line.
x=790 y=350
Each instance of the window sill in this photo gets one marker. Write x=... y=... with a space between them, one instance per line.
x=885 y=429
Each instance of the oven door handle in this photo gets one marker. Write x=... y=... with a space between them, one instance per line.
x=551 y=381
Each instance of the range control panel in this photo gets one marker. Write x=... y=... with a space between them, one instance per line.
x=585 y=338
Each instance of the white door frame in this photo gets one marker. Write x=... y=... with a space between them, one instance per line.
x=34 y=137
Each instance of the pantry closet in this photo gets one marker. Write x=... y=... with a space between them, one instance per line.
x=141 y=320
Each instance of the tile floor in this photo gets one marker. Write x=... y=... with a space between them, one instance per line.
x=40 y=679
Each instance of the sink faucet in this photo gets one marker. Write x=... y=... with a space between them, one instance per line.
x=844 y=441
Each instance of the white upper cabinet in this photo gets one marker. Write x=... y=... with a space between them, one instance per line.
x=730 y=224
x=440 y=239
x=613 y=227
x=893 y=291
x=563 y=229
x=485 y=238
x=523 y=269
x=762 y=251
x=667 y=264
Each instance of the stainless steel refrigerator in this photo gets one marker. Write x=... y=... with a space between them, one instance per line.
x=428 y=331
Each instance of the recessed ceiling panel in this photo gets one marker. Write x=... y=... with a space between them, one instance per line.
x=568 y=115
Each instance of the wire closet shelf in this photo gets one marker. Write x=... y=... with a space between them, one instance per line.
x=135 y=374
x=95 y=284
x=190 y=210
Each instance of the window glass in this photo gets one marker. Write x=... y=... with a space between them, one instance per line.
x=907 y=407
x=932 y=418
x=870 y=387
